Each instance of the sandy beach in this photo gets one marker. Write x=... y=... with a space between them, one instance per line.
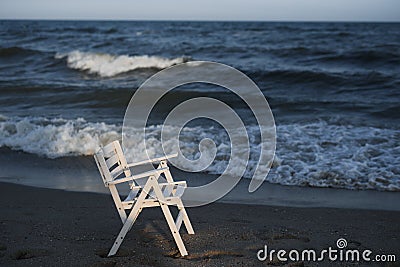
x=44 y=227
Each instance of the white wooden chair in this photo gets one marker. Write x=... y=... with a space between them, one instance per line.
x=114 y=170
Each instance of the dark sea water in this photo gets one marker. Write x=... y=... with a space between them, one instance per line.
x=334 y=89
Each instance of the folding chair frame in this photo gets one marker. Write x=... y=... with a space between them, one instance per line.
x=151 y=194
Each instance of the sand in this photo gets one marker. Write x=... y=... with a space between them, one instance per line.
x=47 y=227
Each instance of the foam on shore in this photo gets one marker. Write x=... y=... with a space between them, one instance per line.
x=310 y=154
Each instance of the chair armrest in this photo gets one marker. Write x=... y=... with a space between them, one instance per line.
x=153 y=160
x=138 y=176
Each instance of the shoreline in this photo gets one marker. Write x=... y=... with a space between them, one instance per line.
x=274 y=195
x=80 y=174
x=50 y=227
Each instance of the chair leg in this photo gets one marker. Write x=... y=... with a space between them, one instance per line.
x=183 y=215
x=131 y=218
x=173 y=228
x=178 y=221
x=118 y=203
x=127 y=226
x=134 y=219
x=169 y=218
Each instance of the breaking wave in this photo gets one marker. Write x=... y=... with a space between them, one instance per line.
x=54 y=138
x=107 y=65
x=317 y=154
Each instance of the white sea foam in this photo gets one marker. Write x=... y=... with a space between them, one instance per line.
x=342 y=156
x=312 y=154
x=107 y=65
x=56 y=137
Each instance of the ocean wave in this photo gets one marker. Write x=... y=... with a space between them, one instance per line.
x=388 y=112
x=323 y=78
x=319 y=154
x=107 y=65
x=299 y=76
x=88 y=29
x=16 y=51
x=296 y=51
x=364 y=57
x=54 y=138
x=323 y=154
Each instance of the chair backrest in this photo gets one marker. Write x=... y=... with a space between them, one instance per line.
x=111 y=162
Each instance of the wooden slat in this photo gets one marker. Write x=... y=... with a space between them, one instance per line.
x=116 y=171
x=109 y=150
x=97 y=158
x=133 y=193
x=153 y=160
x=102 y=166
x=122 y=159
x=137 y=176
x=179 y=191
x=180 y=183
x=112 y=161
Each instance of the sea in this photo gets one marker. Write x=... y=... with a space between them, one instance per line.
x=333 y=88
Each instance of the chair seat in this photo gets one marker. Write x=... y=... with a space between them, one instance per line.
x=133 y=193
x=151 y=202
x=169 y=190
x=175 y=189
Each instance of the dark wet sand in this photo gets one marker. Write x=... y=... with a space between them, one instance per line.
x=44 y=227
